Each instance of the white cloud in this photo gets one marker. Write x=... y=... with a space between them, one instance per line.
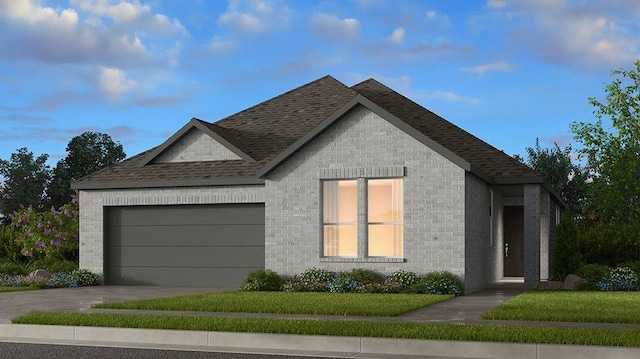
x=331 y=28
x=598 y=34
x=114 y=83
x=217 y=46
x=397 y=36
x=501 y=66
x=255 y=16
x=450 y=97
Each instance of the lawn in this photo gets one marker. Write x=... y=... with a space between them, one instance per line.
x=547 y=335
x=356 y=304
x=566 y=306
x=15 y=289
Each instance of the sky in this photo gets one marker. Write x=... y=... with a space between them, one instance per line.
x=507 y=71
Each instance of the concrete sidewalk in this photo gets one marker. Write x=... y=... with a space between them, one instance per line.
x=462 y=310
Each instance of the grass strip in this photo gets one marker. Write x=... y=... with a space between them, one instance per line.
x=566 y=306
x=15 y=289
x=355 y=304
x=545 y=335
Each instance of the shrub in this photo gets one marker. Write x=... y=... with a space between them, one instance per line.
x=263 y=280
x=635 y=266
x=402 y=278
x=567 y=257
x=364 y=276
x=31 y=281
x=588 y=286
x=85 y=277
x=53 y=265
x=9 y=249
x=295 y=284
x=621 y=278
x=12 y=268
x=314 y=275
x=350 y=281
x=62 y=280
x=8 y=280
x=438 y=283
x=592 y=272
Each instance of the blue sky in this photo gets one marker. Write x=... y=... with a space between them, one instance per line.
x=506 y=71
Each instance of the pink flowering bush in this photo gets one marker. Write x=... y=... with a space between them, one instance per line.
x=50 y=234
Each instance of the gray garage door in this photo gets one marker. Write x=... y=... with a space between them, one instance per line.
x=191 y=245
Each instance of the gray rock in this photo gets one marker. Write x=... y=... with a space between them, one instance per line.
x=572 y=281
x=40 y=274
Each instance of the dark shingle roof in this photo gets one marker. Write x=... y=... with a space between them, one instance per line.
x=268 y=129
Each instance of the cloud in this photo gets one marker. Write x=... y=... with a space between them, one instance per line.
x=217 y=46
x=397 y=36
x=597 y=34
x=331 y=28
x=449 y=97
x=501 y=66
x=255 y=16
x=114 y=83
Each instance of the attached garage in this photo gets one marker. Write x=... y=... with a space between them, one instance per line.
x=183 y=245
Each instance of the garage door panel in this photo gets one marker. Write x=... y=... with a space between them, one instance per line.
x=187 y=245
x=184 y=277
x=200 y=257
x=187 y=215
x=185 y=235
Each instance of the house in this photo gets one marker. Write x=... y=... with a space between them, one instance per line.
x=326 y=176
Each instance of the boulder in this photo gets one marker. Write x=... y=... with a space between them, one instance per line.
x=572 y=281
x=40 y=274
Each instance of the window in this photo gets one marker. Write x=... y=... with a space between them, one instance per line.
x=381 y=230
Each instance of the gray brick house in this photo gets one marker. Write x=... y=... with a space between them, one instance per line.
x=324 y=175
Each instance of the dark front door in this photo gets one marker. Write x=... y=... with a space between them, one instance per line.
x=513 y=241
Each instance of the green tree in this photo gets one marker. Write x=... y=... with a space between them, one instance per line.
x=611 y=146
x=25 y=181
x=557 y=166
x=567 y=257
x=86 y=153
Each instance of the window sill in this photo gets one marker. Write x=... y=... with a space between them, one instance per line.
x=363 y=260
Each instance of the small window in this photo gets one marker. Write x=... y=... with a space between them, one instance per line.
x=385 y=212
x=340 y=213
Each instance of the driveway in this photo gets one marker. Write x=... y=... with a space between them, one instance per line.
x=14 y=304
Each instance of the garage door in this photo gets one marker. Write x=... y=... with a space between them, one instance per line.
x=191 y=245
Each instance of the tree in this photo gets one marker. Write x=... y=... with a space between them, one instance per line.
x=86 y=153
x=567 y=257
x=25 y=181
x=613 y=159
x=557 y=166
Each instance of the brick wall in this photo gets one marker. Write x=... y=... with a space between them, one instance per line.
x=196 y=146
x=363 y=144
x=92 y=205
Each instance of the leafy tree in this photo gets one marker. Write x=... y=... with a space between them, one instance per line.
x=567 y=257
x=86 y=153
x=567 y=177
x=25 y=181
x=612 y=151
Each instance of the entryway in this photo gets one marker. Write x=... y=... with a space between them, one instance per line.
x=513 y=251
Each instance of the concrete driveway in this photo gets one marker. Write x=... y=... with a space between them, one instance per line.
x=14 y=304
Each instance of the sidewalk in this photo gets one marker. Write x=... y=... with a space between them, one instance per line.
x=461 y=310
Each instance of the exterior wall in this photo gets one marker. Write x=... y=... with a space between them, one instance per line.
x=545 y=228
x=532 y=232
x=480 y=247
x=92 y=205
x=498 y=241
x=196 y=146
x=363 y=144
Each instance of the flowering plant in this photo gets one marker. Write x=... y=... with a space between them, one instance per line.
x=52 y=233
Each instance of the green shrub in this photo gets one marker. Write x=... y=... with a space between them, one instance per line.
x=635 y=266
x=588 y=286
x=295 y=284
x=85 y=277
x=12 y=268
x=8 y=280
x=401 y=278
x=263 y=280
x=53 y=265
x=314 y=275
x=350 y=281
x=567 y=257
x=62 y=280
x=592 y=273
x=31 y=281
x=619 y=279
x=443 y=282
x=9 y=249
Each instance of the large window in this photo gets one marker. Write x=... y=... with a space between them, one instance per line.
x=382 y=218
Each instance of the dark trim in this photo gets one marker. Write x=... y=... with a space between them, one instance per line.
x=173 y=183
x=518 y=180
x=343 y=111
x=197 y=124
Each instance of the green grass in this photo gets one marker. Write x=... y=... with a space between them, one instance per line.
x=546 y=335
x=356 y=304
x=15 y=289
x=564 y=306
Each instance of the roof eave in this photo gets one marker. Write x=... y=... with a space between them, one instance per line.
x=247 y=181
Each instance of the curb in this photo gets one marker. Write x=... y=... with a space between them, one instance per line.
x=285 y=344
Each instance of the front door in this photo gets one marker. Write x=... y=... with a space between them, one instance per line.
x=513 y=241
